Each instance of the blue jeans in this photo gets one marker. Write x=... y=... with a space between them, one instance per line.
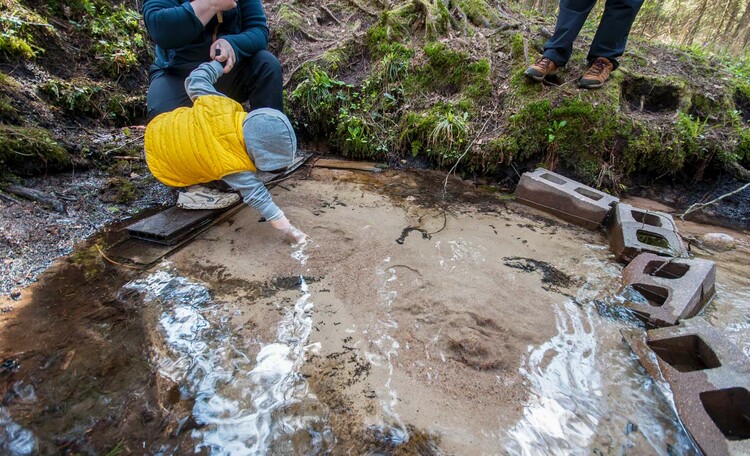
x=611 y=36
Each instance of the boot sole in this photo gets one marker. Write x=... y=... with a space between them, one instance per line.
x=538 y=78
x=199 y=207
x=592 y=86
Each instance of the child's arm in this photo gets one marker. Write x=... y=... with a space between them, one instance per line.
x=255 y=194
x=201 y=80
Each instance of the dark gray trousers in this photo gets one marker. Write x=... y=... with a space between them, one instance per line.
x=610 y=38
x=257 y=80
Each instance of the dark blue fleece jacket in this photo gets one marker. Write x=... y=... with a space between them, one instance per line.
x=183 y=43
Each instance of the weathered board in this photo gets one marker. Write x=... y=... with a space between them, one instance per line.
x=173 y=224
x=155 y=237
x=347 y=164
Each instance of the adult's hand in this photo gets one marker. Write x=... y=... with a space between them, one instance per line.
x=206 y=9
x=226 y=56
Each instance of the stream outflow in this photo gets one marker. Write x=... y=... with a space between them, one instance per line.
x=242 y=404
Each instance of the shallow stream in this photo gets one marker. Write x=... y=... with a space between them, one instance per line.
x=486 y=328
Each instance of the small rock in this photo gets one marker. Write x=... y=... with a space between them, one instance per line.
x=15 y=295
x=719 y=242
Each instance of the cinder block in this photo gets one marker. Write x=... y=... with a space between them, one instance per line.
x=709 y=379
x=565 y=198
x=632 y=231
x=673 y=289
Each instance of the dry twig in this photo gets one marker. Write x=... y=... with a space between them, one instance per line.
x=116 y=262
x=700 y=206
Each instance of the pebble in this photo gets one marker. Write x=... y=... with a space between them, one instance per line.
x=719 y=242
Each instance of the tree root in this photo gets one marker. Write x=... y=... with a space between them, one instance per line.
x=362 y=8
x=330 y=14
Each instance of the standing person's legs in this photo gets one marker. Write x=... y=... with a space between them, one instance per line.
x=165 y=93
x=257 y=79
x=573 y=14
x=613 y=31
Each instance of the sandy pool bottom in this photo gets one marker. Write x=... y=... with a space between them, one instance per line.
x=462 y=326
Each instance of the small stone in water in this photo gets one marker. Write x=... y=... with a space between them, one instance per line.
x=720 y=242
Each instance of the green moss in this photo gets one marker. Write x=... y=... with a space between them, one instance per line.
x=448 y=72
x=516 y=48
x=124 y=190
x=96 y=100
x=21 y=31
x=497 y=152
x=440 y=133
x=479 y=12
x=28 y=150
x=316 y=100
x=90 y=260
x=742 y=151
x=716 y=108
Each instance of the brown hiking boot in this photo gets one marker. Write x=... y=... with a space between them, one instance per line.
x=597 y=74
x=541 y=69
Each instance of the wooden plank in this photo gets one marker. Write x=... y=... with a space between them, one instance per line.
x=346 y=164
x=173 y=224
x=146 y=252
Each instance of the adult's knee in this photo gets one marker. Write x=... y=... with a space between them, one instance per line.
x=267 y=64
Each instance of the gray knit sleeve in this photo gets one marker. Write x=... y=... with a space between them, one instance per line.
x=201 y=80
x=254 y=193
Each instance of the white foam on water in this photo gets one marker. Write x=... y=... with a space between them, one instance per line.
x=15 y=440
x=242 y=406
x=386 y=349
x=459 y=252
x=587 y=391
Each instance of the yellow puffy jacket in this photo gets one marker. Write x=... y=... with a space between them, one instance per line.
x=200 y=144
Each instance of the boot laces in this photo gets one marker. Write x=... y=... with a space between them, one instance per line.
x=598 y=67
x=544 y=62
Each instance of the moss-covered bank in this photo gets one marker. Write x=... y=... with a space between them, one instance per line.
x=433 y=82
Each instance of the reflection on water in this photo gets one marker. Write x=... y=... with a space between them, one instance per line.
x=15 y=440
x=730 y=311
x=242 y=406
x=392 y=429
x=588 y=393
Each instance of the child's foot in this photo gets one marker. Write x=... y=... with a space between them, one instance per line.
x=200 y=197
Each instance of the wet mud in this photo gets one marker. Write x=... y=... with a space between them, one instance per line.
x=495 y=334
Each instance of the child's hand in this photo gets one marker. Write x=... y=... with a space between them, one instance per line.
x=294 y=235
x=291 y=234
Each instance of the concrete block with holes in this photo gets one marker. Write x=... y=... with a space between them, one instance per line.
x=663 y=291
x=633 y=231
x=709 y=379
x=565 y=198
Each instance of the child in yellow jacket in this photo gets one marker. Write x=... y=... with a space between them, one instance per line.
x=216 y=139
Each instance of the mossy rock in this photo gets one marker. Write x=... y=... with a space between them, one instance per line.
x=28 y=151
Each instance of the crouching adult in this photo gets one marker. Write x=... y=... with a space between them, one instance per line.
x=189 y=33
